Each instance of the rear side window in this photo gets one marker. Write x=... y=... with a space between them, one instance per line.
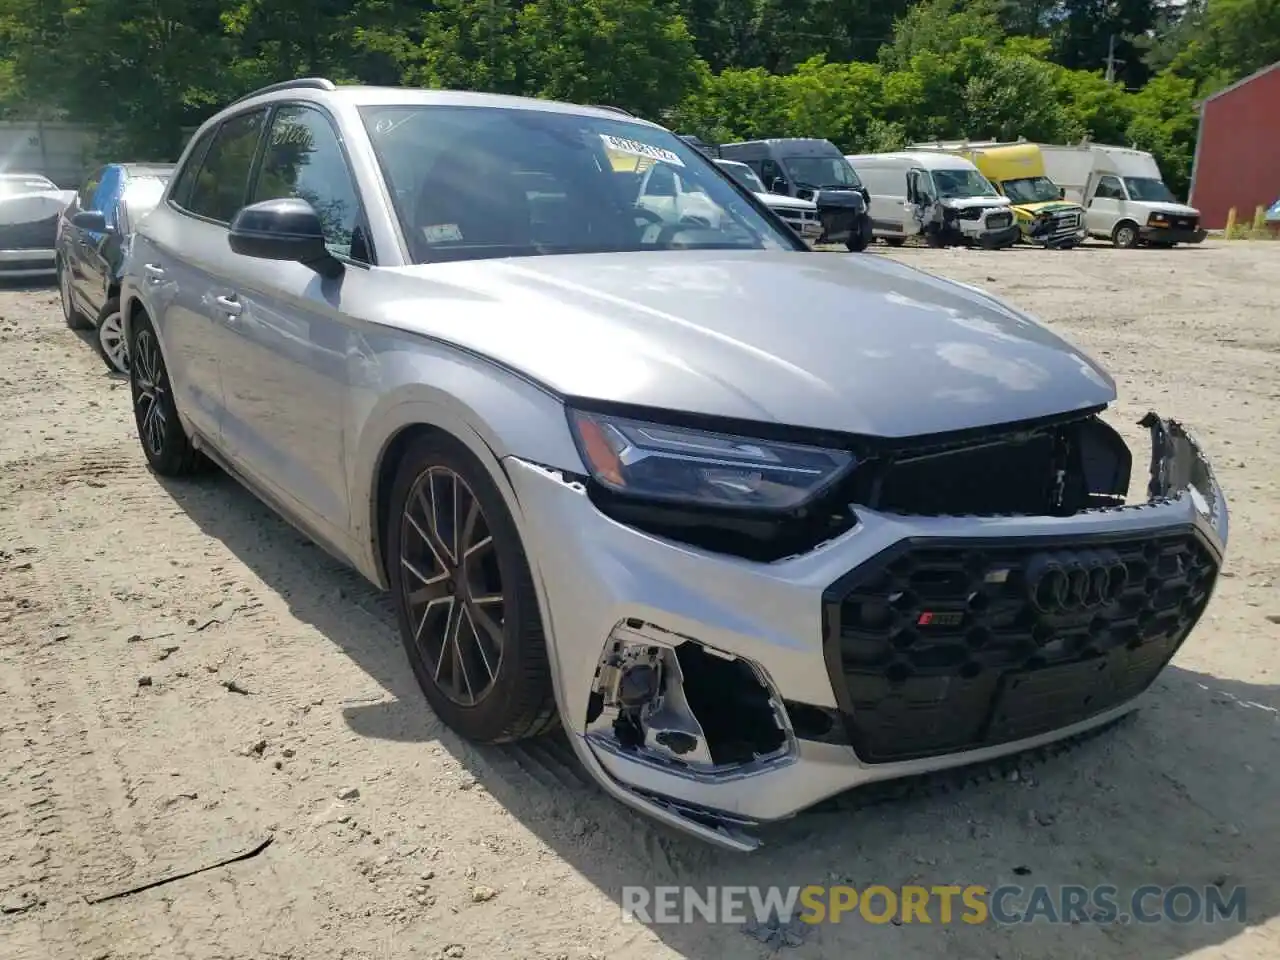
x=222 y=183
x=187 y=175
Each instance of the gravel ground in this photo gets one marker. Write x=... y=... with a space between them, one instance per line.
x=183 y=676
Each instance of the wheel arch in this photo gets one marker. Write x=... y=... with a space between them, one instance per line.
x=515 y=419
x=1122 y=222
x=131 y=306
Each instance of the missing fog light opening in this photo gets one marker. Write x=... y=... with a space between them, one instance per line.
x=673 y=701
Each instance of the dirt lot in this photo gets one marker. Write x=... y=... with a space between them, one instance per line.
x=182 y=676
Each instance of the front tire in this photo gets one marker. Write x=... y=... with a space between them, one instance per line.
x=1125 y=235
x=70 y=312
x=857 y=242
x=464 y=596
x=164 y=441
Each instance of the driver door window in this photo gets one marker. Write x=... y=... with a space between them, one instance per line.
x=304 y=159
x=1109 y=189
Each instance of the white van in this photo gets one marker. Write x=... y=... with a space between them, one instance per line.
x=1124 y=198
x=938 y=196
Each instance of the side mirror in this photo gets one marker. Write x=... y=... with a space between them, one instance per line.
x=284 y=229
x=95 y=221
x=1062 y=193
x=779 y=185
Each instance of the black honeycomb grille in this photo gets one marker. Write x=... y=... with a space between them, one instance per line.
x=939 y=646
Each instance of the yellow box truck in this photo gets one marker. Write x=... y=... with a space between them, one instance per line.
x=1017 y=170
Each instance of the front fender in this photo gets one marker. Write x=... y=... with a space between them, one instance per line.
x=401 y=381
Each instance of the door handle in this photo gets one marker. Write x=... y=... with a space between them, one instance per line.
x=229 y=306
x=155 y=272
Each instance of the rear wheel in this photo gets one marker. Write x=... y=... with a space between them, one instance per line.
x=164 y=441
x=464 y=597
x=111 y=343
x=70 y=312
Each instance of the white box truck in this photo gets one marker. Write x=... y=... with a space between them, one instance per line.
x=1124 y=198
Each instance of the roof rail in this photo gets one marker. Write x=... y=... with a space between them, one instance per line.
x=301 y=83
x=611 y=108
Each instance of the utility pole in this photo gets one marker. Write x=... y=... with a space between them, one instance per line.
x=1111 y=59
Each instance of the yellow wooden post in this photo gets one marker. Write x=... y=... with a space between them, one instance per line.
x=1231 y=223
x=1259 y=219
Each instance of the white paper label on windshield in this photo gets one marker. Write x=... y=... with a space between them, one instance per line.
x=442 y=233
x=637 y=149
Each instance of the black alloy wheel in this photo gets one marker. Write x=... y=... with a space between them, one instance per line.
x=453 y=588
x=464 y=596
x=164 y=441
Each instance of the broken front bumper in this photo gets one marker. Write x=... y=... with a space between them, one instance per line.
x=849 y=709
x=999 y=239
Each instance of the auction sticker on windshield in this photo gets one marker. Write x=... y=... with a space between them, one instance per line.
x=637 y=149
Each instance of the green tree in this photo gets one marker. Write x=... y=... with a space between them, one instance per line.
x=636 y=54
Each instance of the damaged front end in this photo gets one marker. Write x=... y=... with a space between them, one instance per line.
x=949 y=600
x=682 y=706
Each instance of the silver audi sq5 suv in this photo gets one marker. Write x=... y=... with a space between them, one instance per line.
x=753 y=524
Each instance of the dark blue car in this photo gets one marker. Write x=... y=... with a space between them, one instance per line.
x=93 y=237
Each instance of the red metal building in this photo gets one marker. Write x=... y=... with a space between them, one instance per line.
x=1237 y=160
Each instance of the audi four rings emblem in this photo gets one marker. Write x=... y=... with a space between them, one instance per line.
x=1067 y=582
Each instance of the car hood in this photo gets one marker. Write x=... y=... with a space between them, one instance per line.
x=778 y=202
x=851 y=343
x=34 y=205
x=964 y=203
x=1176 y=209
x=1048 y=206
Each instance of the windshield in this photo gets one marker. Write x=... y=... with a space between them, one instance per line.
x=745 y=176
x=821 y=173
x=473 y=183
x=1149 y=189
x=1031 y=190
x=963 y=184
x=142 y=195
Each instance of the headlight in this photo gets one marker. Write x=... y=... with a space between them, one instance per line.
x=1156 y=218
x=658 y=462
